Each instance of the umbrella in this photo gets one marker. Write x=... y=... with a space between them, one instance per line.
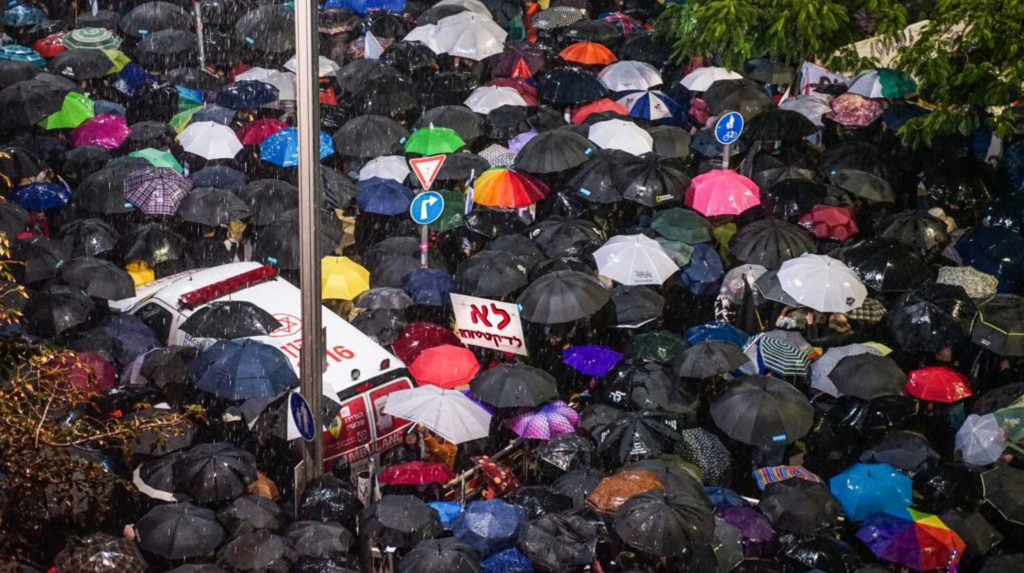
x=268 y=200
x=938 y=384
x=800 y=506
x=569 y=85
x=974 y=282
x=158 y=158
x=864 y=489
x=998 y=325
x=567 y=452
x=257 y=551
x=700 y=79
x=429 y=286
x=314 y=538
x=41 y=196
x=931 y=318
x=636 y=306
x=88 y=237
x=980 y=441
x=977 y=533
x=630 y=436
x=791 y=198
x=554 y=152
x=73 y=112
x=634 y=260
x=996 y=251
x=56 y=310
x=549 y=420
x=445 y=366
x=562 y=296
x=434 y=141
x=883 y=264
x=744 y=96
x=507 y=188
x=488 y=526
x=384 y=196
x=612 y=492
x=282 y=148
x=822 y=283
x=918 y=230
x=657 y=346
x=491 y=274
x=268 y=28
x=100 y=552
x=469 y=35
x=914 y=539
x=775 y=353
x=882 y=83
x=595 y=109
x=577 y=484
x=865 y=185
x=486 y=99
x=812 y=106
x=902 y=449
x=420 y=336
x=770 y=243
x=721 y=192
x=31 y=101
x=588 y=54
x=440 y=556
x=230 y=319
x=214 y=472
x=342 y=278
x=651 y=105
x=210 y=140
x=650 y=180
x=212 y=207
x=779 y=125
x=81 y=64
x=829 y=222
x=104 y=130
x=399 y=521
x=853 y=110
x=449 y=413
x=514 y=386
x=1002 y=489
x=868 y=376
x=709 y=358
x=559 y=542
x=41 y=258
x=386 y=167
x=629 y=76
x=758 y=410
x=178 y=531
x=91 y=38
x=98 y=278
x=664 y=523
x=167 y=49
x=369 y=136
x=621 y=135
x=591 y=360
x=416 y=473
x=682 y=225
x=156 y=190
x=468 y=125
x=242 y=369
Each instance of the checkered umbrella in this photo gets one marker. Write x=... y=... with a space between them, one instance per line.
x=156 y=191
x=557 y=17
x=550 y=420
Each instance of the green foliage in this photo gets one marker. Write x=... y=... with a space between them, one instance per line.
x=967 y=60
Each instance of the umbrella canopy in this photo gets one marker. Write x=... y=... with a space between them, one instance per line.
x=779 y=125
x=448 y=413
x=770 y=243
x=918 y=230
x=440 y=556
x=999 y=324
x=591 y=360
x=549 y=420
x=98 y=278
x=634 y=260
x=562 y=296
x=468 y=35
x=664 y=523
x=514 y=386
x=709 y=358
x=938 y=384
x=214 y=472
x=179 y=531
x=104 y=130
x=242 y=369
x=721 y=192
x=507 y=189
x=554 y=152
x=81 y=64
x=41 y=196
x=559 y=541
x=884 y=265
x=210 y=140
x=156 y=190
x=800 y=506
x=400 y=521
x=868 y=376
x=257 y=551
x=434 y=141
x=230 y=319
x=212 y=207
x=621 y=135
x=1003 y=490
x=569 y=85
x=822 y=283
x=758 y=410
x=101 y=552
x=882 y=83
x=630 y=436
x=629 y=76
x=282 y=148
x=588 y=54
x=864 y=489
x=980 y=441
x=914 y=539
x=31 y=101
x=700 y=79
x=489 y=526
x=416 y=473
x=445 y=366
x=73 y=112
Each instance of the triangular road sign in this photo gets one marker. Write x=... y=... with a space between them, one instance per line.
x=426 y=169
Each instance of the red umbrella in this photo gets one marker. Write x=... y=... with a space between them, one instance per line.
x=255 y=132
x=420 y=336
x=416 y=473
x=938 y=384
x=580 y=114
x=445 y=366
x=828 y=222
x=86 y=370
x=50 y=46
x=528 y=92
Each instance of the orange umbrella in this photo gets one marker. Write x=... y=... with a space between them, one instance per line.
x=445 y=366
x=588 y=54
x=613 y=491
x=580 y=114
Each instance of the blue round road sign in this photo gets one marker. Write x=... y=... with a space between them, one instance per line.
x=729 y=127
x=426 y=207
x=303 y=416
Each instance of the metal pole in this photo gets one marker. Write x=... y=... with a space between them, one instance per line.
x=725 y=157
x=312 y=353
x=199 y=35
x=424 y=246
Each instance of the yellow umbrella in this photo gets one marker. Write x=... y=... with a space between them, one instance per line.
x=118 y=60
x=140 y=272
x=342 y=278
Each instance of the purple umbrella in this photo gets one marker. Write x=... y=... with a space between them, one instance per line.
x=549 y=420
x=759 y=537
x=591 y=360
x=516 y=143
x=469 y=394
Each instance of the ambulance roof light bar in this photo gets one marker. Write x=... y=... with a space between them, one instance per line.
x=227 y=286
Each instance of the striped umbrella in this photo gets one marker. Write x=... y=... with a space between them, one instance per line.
x=777 y=355
x=16 y=53
x=95 y=38
x=776 y=474
x=507 y=188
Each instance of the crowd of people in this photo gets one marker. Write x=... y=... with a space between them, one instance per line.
x=796 y=352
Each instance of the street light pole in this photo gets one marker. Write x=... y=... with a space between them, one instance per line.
x=311 y=358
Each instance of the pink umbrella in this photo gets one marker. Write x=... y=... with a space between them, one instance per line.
x=255 y=132
x=545 y=422
x=722 y=192
x=105 y=130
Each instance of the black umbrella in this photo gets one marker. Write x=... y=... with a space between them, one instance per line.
x=559 y=542
x=278 y=242
x=868 y=376
x=865 y=185
x=467 y=124
x=57 y=310
x=665 y=523
x=268 y=200
x=790 y=198
x=268 y=28
x=514 y=386
x=758 y=410
x=400 y=521
x=491 y=274
x=822 y=553
x=744 y=96
x=230 y=319
x=29 y=102
x=577 y=485
x=567 y=452
x=492 y=223
x=709 y=358
x=562 y=296
x=594 y=179
x=329 y=499
x=179 y=531
x=12 y=72
x=918 y=230
x=392 y=270
x=904 y=450
x=319 y=538
x=212 y=207
x=629 y=436
x=13 y=219
x=461 y=166
x=765 y=71
x=386 y=24
x=705 y=450
x=251 y=513
x=153 y=17
x=440 y=556
x=770 y=243
x=384 y=298
x=381 y=325
x=977 y=533
x=671 y=141
x=165 y=367
x=554 y=152
x=415 y=59
x=99 y=553
x=1003 y=488
x=569 y=86
x=40 y=258
x=153 y=243
x=999 y=324
x=81 y=64
x=369 y=136
x=103 y=191
x=155 y=134
x=635 y=306
x=800 y=506
x=352 y=75
x=554 y=235
x=168 y=49
x=155 y=478
x=651 y=180
x=538 y=500
x=947 y=485
x=83 y=161
x=394 y=97
x=592 y=31
x=98 y=278
x=884 y=265
x=194 y=78
x=214 y=472
x=157 y=441
x=779 y=125
x=643 y=386
x=932 y=317
x=260 y=551
x=519 y=247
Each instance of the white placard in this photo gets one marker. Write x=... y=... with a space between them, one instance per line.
x=489 y=323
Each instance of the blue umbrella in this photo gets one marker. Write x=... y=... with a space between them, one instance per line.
x=705 y=270
x=218 y=177
x=131 y=78
x=247 y=93
x=16 y=53
x=721 y=497
x=429 y=286
x=716 y=331
x=282 y=148
x=446 y=511
x=242 y=369
x=900 y=113
x=215 y=113
x=864 y=489
x=507 y=561
x=651 y=105
x=384 y=196
x=365 y=6
x=194 y=96
x=488 y=526
x=133 y=336
x=22 y=16
x=591 y=360
x=997 y=251
x=41 y=196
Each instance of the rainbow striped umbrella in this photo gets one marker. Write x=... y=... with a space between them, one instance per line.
x=506 y=188
x=914 y=539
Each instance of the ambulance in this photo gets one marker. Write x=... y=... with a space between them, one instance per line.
x=359 y=375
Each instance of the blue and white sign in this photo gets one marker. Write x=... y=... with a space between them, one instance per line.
x=426 y=207
x=302 y=416
x=729 y=127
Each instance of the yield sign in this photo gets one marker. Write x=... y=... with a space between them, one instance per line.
x=426 y=169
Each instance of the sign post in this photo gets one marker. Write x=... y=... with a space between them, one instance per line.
x=199 y=34
x=727 y=130
x=427 y=206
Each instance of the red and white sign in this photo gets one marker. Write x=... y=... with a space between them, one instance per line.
x=489 y=323
x=426 y=169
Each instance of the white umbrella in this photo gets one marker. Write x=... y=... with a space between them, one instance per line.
x=822 y=367
x=486 y=99
x=385 y=167
x=822 y=283
x=472 y=5
x=283 y=81
x=327 y=68
x=210 y=140
x=981 y=440
x=426 y=34
x=634 y=260
x=700 y=80
x=629 y=75
x=812 y=106
x=469 y=35
x=622 y=135
x=448 y=413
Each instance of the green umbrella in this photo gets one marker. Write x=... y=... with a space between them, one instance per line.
x=158 y=158
x=679 y=252
x=76 y=109
x=94 y=38
x=682 y=225
x=453 y=214
x=180 y=120
x=658 y=346
x=434 y=141
x=1011 y=418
